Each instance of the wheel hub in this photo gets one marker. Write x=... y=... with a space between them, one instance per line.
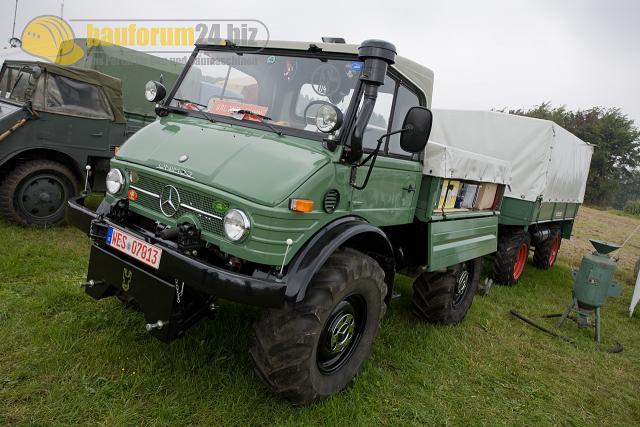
x=341 y=332
x=462 y=283
x=42 y=196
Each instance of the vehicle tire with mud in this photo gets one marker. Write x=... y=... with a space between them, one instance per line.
x=546 y=252
x=311 y=349
x=36 y=193
x=445 y=296
x=511 y=257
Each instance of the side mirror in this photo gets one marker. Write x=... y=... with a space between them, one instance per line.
x=416 y=129
x=154 y=91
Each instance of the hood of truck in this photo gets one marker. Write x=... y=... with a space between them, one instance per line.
x=257 y=165
x=6 y=110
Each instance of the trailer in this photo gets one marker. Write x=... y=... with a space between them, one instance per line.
x=550 y=166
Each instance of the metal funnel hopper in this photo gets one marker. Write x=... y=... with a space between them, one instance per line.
x=604 y=247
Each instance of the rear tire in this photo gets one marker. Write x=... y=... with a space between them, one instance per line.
x=511 y=257
x=312 y=349
x=36 y=193
x=445 y=297
x=546 y=253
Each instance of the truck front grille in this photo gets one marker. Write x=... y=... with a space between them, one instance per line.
x=201 y=205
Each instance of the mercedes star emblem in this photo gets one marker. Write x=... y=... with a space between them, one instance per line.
x=169 y=200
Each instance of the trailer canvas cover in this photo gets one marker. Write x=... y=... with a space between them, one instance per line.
x=547 y=161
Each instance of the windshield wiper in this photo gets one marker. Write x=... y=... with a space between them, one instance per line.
x=241 y=116
x=198 y=108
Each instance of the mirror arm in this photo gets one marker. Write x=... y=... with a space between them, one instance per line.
x=354 y=168
x=374 y=155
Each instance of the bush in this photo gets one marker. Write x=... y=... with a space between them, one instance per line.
x=632 y=207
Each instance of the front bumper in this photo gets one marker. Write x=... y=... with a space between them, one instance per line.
x=111 y=272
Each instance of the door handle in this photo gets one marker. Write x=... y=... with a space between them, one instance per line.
x=409 y=189
x=98 y=134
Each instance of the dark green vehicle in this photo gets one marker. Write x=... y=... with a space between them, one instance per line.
x=55 y=121
x=292 y=177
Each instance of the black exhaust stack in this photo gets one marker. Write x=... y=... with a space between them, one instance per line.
x=377 y=55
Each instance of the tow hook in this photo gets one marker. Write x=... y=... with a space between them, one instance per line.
x=91 y=283
x=158 y=325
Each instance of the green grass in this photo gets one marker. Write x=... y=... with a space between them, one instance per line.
x=67 y=359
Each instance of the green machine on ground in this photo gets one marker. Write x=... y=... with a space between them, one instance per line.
x=592 y=284
x=549 y=176
x=293 y=177
x=56 y=120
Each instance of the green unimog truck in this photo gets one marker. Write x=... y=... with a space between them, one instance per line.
x=550 y=167
x=55 y=121
x=301 y=185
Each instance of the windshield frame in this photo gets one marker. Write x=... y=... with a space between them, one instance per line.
x=26 y=67
x=286 y=130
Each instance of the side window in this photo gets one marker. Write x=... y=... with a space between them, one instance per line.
x=75 y=98
x=379 y=121
x=404 y=100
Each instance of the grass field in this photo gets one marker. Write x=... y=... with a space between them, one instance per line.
x=67 y=359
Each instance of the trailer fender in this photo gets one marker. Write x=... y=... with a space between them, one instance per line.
x=353 y=232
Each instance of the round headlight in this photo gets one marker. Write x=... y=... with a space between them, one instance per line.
x=154 y=91
x=236 y=225
x=328 y=118
x=115 y=181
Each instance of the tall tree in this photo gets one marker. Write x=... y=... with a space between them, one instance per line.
x=616 y=156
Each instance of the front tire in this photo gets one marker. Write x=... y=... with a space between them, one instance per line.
x=445 y=297
x=36 y=193
x=312 y=349
x=511 y=257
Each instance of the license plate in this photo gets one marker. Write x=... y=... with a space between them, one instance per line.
x=134 y=247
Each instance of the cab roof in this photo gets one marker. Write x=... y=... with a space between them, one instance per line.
x=419 y=75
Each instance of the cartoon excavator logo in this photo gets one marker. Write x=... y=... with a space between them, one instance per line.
x=51 y=37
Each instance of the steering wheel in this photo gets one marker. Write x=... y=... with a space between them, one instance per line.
x=317 y=102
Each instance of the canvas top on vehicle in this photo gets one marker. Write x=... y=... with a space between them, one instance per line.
x=111 y=86
x=548 y=162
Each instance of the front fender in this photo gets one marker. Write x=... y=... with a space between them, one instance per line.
x=350 y=231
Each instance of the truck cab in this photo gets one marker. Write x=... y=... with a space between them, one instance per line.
x=293 y=176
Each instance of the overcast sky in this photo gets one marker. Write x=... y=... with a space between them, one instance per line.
x=485 y=54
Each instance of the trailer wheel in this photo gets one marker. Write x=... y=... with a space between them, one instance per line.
x=511 y=257
x=445 y=297
x=36 y=193
x=314 y=348
x=546 y=252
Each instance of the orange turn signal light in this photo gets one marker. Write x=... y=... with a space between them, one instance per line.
x=301 y=205
x=132 y=195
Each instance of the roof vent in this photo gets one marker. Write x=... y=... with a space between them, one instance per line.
x=333 y=40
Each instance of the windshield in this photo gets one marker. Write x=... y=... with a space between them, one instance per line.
x=288 y=90
x=14 y=82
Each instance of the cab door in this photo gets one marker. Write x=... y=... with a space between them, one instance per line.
x=391 y=194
